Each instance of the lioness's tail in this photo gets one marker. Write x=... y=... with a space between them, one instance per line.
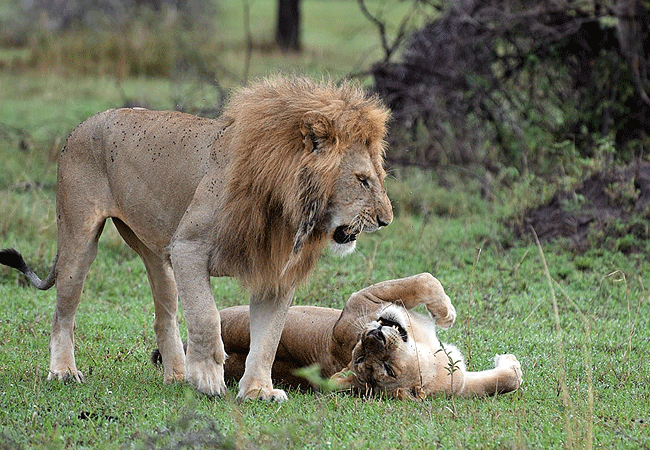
x=12 y=258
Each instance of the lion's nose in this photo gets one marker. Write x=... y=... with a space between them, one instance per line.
x=381 y=222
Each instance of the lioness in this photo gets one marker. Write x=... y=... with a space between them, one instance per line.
x=375 y=345
x=289 y=166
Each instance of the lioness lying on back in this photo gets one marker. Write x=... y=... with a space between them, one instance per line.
x=375 y=345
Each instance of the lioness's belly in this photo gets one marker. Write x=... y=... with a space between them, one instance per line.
x=306 y=340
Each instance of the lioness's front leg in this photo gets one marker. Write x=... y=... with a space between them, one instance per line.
x=205 y=353
x=268 y=313
x=411 y=291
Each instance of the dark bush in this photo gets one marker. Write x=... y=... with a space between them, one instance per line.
x=498 y=82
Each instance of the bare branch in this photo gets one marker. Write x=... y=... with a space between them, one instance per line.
x=381 y=28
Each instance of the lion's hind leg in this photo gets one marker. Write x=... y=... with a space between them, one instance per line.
x=77 y=249
x=505 y=377
x=165 y=297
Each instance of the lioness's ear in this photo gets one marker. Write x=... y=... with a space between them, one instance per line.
x=316 y=129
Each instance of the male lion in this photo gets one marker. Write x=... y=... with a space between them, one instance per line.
x=375 y=345
x=255 y=194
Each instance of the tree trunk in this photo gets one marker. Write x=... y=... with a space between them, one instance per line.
x=287 y=34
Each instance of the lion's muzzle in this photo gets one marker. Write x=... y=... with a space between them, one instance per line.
x=344 y=235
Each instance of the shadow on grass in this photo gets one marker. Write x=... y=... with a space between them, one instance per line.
x=190 y=431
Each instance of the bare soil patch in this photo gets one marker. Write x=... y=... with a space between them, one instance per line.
x=610 y=208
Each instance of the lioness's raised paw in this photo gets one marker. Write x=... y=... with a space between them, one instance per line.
x=267 y=395
x=448 y=320
x=66 y=375
x=206 y=377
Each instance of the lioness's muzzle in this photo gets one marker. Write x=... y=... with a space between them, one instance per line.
x=377 y=335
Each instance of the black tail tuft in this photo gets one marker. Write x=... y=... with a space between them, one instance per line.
x=12 y=258
x=156 y=357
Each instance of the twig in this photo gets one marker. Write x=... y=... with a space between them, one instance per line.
x=381 y=28
x=586 y=350
x=469 y=309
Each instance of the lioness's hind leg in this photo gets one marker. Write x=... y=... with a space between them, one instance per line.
x=165 y=297
x=505 y=377
x=77 y=249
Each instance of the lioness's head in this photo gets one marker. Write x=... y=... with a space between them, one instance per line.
x=394 y=354
x=307 y=169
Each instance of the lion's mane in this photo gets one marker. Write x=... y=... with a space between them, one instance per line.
x=286 y=137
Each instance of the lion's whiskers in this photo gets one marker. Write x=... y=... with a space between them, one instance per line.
x=359 y=222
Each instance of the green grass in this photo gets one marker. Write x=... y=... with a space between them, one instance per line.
x=327 y=28
x=584 y=370
x=336 y=39
x=504 y=305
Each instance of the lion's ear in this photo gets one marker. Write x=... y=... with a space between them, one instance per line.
x=316 y=129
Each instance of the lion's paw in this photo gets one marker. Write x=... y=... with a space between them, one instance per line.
x=174 y=375
x=67 y=375
x=206 y=377
x=265 y=394
x=509 y=361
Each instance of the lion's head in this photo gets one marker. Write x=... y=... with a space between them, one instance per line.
x=306 y=168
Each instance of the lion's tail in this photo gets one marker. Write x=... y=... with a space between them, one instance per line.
x=156 y=357
x=12 y=258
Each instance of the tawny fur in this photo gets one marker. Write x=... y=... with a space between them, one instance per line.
x=290 y=165
x=360 y=349
x=285 y=181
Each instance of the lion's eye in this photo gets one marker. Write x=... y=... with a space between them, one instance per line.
x=360 y=359
x=363 y=180
x=315 y=144
x=389 y=370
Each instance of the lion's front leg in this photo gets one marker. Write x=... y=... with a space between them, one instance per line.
x=205 y=352
x=268 y=313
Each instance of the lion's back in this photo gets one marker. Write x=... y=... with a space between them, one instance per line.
x=140 y=166
x=137 y=135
